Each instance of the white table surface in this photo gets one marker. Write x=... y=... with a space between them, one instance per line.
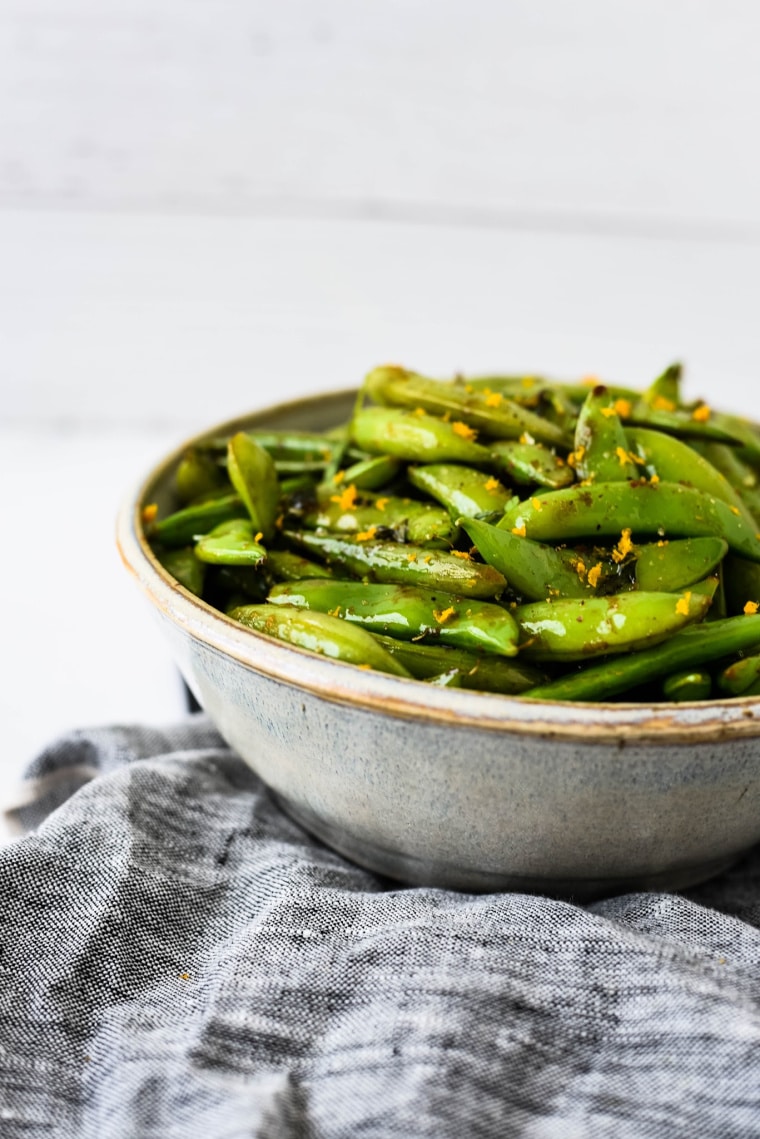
x=120 y=334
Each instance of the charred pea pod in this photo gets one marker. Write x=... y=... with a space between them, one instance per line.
x=319 y=632
x=191 y=523
x=674 y=461
x=403 y=564
x=692 y=647
x=692 y=684
x=601 y=448
x=531 y=464
x=231 y=544
x=490 y=413
x=661 y=509
x=253 y=475
x=370 y=515
x=407 y=612
x=183 y=564
x=416 y=438
x=741 y=676
x=483 y=671
x=670 y=566
x=464 y=491
x=535 y=570
x=568 y=629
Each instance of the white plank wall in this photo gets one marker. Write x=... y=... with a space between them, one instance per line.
x=636 y=114
x=209 y=206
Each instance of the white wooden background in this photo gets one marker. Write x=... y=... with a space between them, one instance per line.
x=208 y=205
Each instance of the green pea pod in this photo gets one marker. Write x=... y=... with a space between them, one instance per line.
x=742 y=476
x=284 y=565
x=372 y=473
x=665 y=391
x=673 y=566
x=193 y=522
x=643 y=507
x=549 y=399
x=294 y=446
x=688 y=685
x=601 y=447
x=401 y=518
x=231 y=544
x=485 y=672
x=320 y=633
x=403 y=564
x=742 y=430
x=492 y=414
x=197 y=475
x=567 y=629
x=416 y=438
x=531 y=464
x=740 y=676
x=407 y=612
x=534 y=570
x=464 y=491
x=674 y=461
x=682 y=423
x=184 y=565
x=252 y=473
x=692 y=647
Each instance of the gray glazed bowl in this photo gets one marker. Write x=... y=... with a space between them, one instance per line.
x=457 y=788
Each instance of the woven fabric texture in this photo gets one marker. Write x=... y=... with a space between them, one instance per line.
x=179 y=959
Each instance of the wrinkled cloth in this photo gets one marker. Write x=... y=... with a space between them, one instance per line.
x=179 y=959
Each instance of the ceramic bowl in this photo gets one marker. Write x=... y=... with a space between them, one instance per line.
x=456 y=788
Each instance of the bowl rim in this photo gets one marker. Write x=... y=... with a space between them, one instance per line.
x=345 y=684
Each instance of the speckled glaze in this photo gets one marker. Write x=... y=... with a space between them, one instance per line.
x=457 y=788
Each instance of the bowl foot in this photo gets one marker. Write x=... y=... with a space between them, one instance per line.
x=415 y=871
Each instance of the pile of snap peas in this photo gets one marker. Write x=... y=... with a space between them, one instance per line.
x=510 y=534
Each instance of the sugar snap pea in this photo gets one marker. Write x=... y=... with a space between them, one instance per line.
x=231 y=544
x=530 y=464
x=490 y=413
x=344 y=510
x=688 y=685
x=669 y=566
x=646 y=508
x=407 y=612
x=464 y=491
x=194 y=521
x=601 y=447
x=535 y=570
x=694 y=645
x=319 y=632
x=252 y=473
x=567 y=629
x=418 y=438
x=483 y=671
x=403 y=564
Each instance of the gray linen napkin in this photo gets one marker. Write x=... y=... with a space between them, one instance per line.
x=177 y=958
